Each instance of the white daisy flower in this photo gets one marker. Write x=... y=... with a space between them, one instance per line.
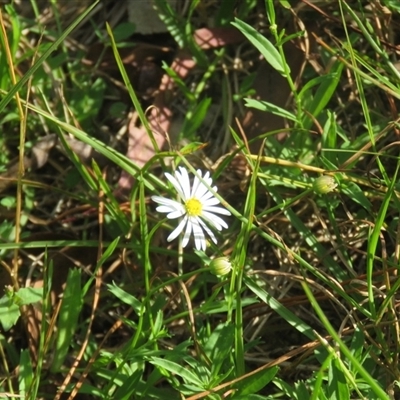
x=197 y=206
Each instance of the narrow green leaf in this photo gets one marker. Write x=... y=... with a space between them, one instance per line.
x=16 y=29
x=110 y=153
x=275 y=305
x=196 y=117
x=178 y=81
x=263 y=45
x=312 y=241
x=129 y=387
x=111 y=202
x=171 y=366
x=302 y=391
x=272 y=108
x=124 y=31
x=323 y=94
x=374 y=239
x=106 y=255
x=354 y=193
x=171 y=21
x=285 y=4
x=254 y=383
x=329 y=139
x=130 y=89
x=127 y=298
x=371 y=381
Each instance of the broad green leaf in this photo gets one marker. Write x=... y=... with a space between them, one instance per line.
x=9 y=313
x=337 y=387
x=219 y=346
x=28 y=295
x=124 y=31
x=12 y=301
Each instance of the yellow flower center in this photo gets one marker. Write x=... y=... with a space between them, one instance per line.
x=193 y=207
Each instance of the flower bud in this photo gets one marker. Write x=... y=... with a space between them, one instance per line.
x=324 y=184
x=220 y=266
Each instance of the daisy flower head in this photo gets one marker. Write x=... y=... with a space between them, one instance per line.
x=197 y=207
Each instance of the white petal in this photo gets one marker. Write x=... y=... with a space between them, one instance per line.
x=208 y=195
x=175 y=233
x=209 y=231
x=198 y=234
x=213 y=219
x=165 y=209
x=184 y=182
x=210 y=201
x=207 y=178
x=200 y=189
x=176 y=185
x=195 y=186
x=164 y=201
x=188 y=231
x=218 y=210
x=168 y=206
x=176 y=214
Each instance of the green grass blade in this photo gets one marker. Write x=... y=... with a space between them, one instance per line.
x=175 y=368
x=70 y=309
x=111 y=202
x=275 y=305
x=25 y=373
x=254 y=383
x=374 y=385
x=269 y=107
x=130 y=89
x=321 y=252
x=374 y=238
x=44 y=56
x=323 y=94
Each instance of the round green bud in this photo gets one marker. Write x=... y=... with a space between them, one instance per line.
x=324 y=184
x=220 y=266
